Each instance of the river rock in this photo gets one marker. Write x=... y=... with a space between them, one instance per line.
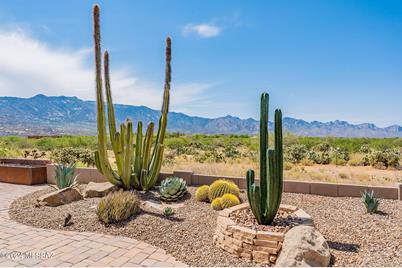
x=98 y=189
x=60 y=197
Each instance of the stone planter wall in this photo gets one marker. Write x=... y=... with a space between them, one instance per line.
x=257 y=246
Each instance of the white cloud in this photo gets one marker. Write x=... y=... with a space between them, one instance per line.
x=29 y=67
x=203 y=30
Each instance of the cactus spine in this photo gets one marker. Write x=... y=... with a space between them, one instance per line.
x=138 y=165
x=265 y=199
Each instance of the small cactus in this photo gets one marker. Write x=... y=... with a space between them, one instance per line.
x=220 y=187
x=201 y=194
x=229 y=200
x=217 y=204
x=168 y=211
x=371 y=203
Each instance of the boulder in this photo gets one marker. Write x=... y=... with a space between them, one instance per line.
x=304 y=246
x=60 y=197
x=98 y=189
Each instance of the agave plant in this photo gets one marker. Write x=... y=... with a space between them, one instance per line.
x=65 y=176
x=370 y=201
x=172 y=189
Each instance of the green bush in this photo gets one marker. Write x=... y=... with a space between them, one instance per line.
x=118 y=206
x=295 y=153
x=69 y=156
x=384 y=158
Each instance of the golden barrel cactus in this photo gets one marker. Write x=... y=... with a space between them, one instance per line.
x=220 y=187
x=201 y=194
x=217 y=204
x=229 y=200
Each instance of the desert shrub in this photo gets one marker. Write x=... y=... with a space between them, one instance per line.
x=370 y=202
x=295 y=153
x=384 y=158
x=220 y=187
x=339 y=156
x=287 y=166
x=201 y=194
x=68 y=156
x=231 y=152
x=33 y=154
x=356 y=159
x=307 y=162
x=118 y=206
x=65 y=176
x=343 y=175
x=364 y=149
x=322 y=158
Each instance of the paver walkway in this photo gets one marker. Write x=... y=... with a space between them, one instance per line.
x=29 y=246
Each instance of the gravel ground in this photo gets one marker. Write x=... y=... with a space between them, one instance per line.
x=187 y=235
x=355 y=238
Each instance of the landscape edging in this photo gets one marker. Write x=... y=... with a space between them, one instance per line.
x=87 y=175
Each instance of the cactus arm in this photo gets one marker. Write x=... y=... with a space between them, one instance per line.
x=264 y=147
x=128 y=153
x=154 y=169
x=138 y=150
x=102 y=157
x=166 y=96
x=278 y=155
x=110 y=114
x=147 y=145
x=269 y=206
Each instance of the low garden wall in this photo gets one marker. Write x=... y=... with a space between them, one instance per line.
x=23 y=171
x=318 y=188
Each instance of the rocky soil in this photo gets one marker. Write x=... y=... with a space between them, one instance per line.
x=355 y=238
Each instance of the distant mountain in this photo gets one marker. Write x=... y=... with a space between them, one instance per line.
x=43 y=115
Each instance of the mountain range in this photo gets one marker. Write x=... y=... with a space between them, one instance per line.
x=59 y=115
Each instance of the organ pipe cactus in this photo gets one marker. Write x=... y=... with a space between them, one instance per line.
x=138 y=164
x=265 y=198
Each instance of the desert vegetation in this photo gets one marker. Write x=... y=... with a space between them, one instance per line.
x=357 y=160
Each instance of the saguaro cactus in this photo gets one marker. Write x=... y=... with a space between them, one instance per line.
x=138 y=164
x=265 y=199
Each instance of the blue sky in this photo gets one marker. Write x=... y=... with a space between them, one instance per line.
x=319 y=60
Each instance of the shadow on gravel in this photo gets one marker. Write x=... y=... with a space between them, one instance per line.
x=381 y=213
x=170 y=218
x=354 y=248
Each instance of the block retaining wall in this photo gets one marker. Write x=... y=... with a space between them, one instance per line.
x=318 y=188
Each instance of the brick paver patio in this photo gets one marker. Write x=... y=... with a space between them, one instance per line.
x=22 y=245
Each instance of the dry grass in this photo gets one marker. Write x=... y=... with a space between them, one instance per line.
x=324 y=173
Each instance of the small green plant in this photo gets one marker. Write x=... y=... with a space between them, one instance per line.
x=201 y=194
x=172 y=189
x=220 y=187
x=370 y=202
x=168 y=211
x=118 y=206
x=65 y=176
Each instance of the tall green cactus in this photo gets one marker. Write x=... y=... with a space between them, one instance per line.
x=138 y=165
x=265 y=199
